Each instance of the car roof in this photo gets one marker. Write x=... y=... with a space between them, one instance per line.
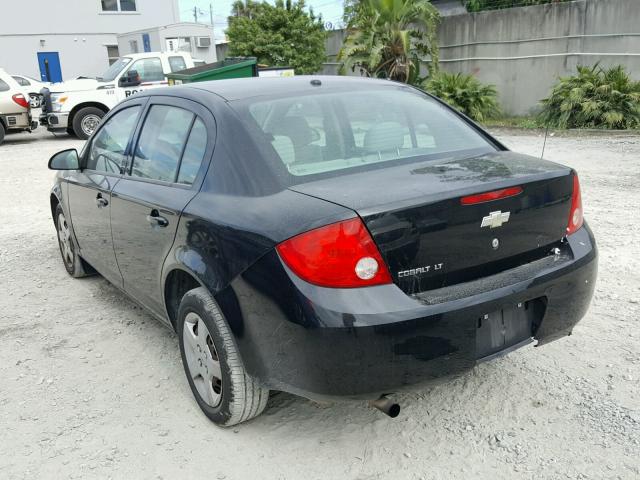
x=242 y=88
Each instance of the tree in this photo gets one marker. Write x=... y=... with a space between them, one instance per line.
x=283 y=34
x=390 y=38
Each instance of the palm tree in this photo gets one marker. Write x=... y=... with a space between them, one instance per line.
x=389 y=38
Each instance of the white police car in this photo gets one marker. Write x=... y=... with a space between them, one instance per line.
x=77 y=106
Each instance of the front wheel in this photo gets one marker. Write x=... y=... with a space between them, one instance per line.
x=222 y=388
x=86 y=121
x=72 y=261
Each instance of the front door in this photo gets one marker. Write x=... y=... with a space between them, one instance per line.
x=49 y=63
x=147 y=204
x=90 y=191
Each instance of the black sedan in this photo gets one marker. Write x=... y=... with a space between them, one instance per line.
x=324 y=236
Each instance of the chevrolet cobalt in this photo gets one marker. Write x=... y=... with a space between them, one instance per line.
x=324 y=236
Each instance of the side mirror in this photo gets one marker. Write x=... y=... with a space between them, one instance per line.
x=65 y=160
x=129 y=79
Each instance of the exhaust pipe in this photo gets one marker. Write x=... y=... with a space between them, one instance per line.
x=386 y=406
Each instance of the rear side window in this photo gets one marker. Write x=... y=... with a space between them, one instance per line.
x=335 y=133
x=161 y=144
x=177 y=63
x=22 y=81
x=149 y=69
x=4 y=86
x=193 y=153
x=109 y=146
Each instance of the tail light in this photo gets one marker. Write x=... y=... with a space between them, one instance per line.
x=339 y=255
x=20 y=100
x=575 y=215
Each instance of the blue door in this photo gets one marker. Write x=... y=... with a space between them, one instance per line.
x=49 y=63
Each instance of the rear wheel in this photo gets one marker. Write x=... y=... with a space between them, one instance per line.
x=86 y=120
x=72 y=261
x=2 y=132
x=223 y=390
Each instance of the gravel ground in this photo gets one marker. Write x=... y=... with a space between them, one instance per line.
x=92 y=387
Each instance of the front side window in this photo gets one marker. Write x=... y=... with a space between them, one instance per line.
x=161 y=143
x=177 y=64
x=109 y=146
x=115 y=68
x=149 y=69
x=335 y=133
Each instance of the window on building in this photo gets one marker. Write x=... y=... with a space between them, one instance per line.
x=113 y=53
x=127 y=5
x=119 y=5
x=133 y=46
x=109 y=5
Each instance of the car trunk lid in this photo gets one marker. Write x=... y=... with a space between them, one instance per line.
x=430 y=239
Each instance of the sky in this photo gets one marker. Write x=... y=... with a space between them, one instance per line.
x=331 y=11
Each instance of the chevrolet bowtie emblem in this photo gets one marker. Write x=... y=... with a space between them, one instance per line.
x=495 y=219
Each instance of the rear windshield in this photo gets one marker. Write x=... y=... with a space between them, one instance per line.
x=335 y=133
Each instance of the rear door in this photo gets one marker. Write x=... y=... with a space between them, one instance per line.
x=165 y=174
x=90 y=189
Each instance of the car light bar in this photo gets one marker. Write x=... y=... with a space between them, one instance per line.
x=490 y=196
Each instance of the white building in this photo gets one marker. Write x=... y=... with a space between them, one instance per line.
x=64 y=39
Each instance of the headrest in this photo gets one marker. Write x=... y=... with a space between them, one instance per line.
x=384 y=137
x=296 y=128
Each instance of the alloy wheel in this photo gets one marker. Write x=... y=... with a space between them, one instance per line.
x=64 y=239
x=202 y=359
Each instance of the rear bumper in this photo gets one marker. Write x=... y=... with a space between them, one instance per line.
x=323 y=343
x=17 y=121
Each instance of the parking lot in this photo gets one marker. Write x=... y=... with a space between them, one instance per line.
x=92 y=387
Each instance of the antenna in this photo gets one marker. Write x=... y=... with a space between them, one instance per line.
x=546 y=132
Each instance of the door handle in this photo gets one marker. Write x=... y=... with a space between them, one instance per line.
x=156 y=220
x=101 y=202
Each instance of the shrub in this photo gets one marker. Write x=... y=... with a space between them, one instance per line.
x=465 y=93
x=594 y=98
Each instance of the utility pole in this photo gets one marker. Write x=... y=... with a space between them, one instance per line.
x=195 y=14
x=211 y=13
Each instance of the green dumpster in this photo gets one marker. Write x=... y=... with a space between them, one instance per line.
x=227 y=68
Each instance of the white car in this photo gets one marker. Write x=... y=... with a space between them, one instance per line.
x=78 y=106
x=33 y=87
x=15 y=110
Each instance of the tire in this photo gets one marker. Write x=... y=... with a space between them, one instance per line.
x=68 y=249
x=85 y=121
x=2 y=132
x=71 y=132
x=233 y=398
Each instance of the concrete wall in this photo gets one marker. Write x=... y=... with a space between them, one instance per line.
x=524 y=50
x=78 y=29
x=158 y=36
